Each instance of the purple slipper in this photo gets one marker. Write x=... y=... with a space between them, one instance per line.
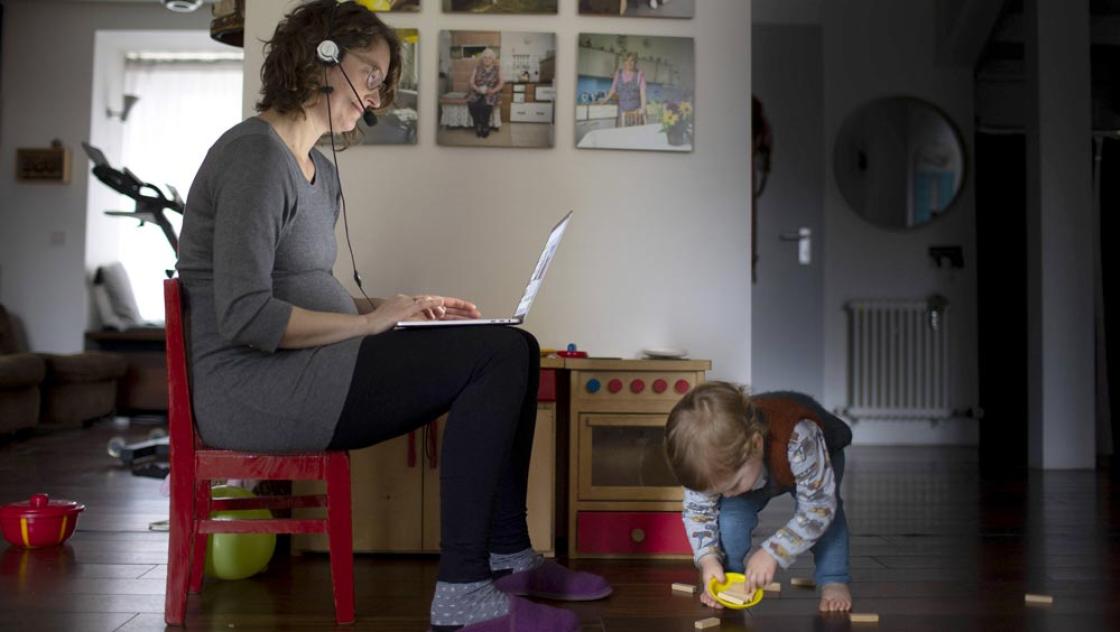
x=526 y=616
x=552 y=581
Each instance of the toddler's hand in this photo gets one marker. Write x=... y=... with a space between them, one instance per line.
x=709 y=568
x=760 y=570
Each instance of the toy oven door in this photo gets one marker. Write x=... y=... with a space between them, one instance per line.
x=622 y=458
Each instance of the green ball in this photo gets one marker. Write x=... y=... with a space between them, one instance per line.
x=238 y=555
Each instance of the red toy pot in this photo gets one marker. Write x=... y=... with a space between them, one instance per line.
x=39 y=521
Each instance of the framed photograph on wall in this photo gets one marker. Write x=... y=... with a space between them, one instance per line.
x=635 y=92
x=639 y=8
x=411 y=6
x=398 y=125
x=497 y=89
x=499 y=6
x=49 y=164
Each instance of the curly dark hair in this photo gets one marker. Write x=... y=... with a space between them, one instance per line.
x=292 y=73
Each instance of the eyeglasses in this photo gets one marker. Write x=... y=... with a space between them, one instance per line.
x=374 y=77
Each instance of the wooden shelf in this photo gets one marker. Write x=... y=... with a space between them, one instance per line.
x=595 y=364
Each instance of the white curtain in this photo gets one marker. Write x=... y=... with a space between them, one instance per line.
x=182 y=110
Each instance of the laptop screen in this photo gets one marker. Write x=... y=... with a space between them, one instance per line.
x=542 y=268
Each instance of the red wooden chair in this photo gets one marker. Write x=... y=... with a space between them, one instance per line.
x=193 y=466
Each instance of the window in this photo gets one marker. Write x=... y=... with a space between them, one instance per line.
x=186 y=101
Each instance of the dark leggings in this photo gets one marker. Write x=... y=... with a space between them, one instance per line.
x=481 y=111
x=487 y=378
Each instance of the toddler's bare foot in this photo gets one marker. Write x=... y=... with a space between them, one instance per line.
x=835 y=598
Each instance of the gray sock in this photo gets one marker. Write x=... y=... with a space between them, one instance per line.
x=463 y=604
x=516 y=562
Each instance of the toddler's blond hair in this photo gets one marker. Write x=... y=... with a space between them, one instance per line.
x=711 y=434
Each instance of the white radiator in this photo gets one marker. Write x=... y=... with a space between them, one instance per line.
x=898 y=360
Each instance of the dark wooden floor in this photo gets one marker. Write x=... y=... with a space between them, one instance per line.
x=933 y=548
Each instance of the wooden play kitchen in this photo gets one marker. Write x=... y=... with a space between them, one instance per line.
x=623 y=499
x=598 y=479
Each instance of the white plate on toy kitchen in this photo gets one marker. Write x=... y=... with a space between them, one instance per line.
x=666 y=353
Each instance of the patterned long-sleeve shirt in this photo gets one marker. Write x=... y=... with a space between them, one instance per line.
x=816 y=503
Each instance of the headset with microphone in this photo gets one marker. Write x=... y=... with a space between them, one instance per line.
x=330 y=54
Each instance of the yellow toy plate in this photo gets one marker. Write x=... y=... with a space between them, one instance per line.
x=715 y=588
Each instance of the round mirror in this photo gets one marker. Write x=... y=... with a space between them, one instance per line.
x=899 y=162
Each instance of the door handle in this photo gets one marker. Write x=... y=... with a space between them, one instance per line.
x=804 y=237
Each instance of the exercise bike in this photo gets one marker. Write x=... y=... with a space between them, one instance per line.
x=149 y=457
x=149 y=207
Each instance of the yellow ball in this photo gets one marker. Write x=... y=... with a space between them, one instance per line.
x=238 y=555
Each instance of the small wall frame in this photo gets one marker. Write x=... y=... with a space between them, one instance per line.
x=49 y=165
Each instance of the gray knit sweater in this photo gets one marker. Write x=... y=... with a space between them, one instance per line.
x=257 y=239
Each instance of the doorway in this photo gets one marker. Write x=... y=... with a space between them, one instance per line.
x=787 y=337
x=1001 y=254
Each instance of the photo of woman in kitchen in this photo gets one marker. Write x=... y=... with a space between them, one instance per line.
x=496 y=88
x=635 y=92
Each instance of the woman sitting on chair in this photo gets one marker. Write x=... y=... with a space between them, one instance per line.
x=486 y=86
x=284 y=360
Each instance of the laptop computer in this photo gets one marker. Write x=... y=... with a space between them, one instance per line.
x=526 y=301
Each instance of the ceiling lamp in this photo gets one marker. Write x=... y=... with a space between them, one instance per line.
x=182 y=6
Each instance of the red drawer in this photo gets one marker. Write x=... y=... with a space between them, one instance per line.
x=631 y=532
x=546 y=392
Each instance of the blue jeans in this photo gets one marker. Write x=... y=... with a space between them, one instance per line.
x=738 y=516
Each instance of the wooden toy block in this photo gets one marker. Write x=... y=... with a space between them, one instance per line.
x=803 y=582
x=710 y=622
x=684 y=588
x=737 y=590
x=1043 y=599
x=732 y=598
x=863 y=618
x=774 y=587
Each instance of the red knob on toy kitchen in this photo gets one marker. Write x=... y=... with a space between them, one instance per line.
x=614 y=385
x=660 y=385
x=637 y=386
x=681 y=386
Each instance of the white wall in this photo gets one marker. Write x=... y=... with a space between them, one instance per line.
x=47 y=75
x=657 y=253
x=872 y=49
